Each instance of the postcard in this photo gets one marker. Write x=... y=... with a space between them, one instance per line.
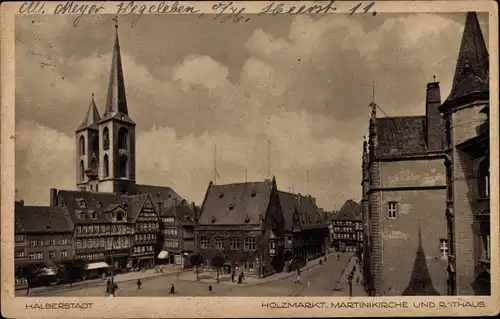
x=249 y=159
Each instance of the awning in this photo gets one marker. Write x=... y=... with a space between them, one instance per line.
x=47 y=272
x=98 y=265
x=163 y=254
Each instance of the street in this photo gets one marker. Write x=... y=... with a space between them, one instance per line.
x=322 y=282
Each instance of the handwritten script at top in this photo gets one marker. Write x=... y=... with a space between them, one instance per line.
x=232 y=12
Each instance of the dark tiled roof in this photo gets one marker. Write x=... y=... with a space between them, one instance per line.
x=166 y=195
x=349 y=211
x=100 y=203
x=309 y=214
x=183 y=212
x=42 y=219
x=232 y=204
x=401 y=135
x=471 y=73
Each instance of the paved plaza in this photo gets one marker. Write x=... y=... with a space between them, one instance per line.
x=327 y=279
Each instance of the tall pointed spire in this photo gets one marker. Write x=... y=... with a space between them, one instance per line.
x=471 y=72
x=91 y=117
x=116 y=101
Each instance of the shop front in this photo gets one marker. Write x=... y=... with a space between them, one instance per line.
x=97 y=269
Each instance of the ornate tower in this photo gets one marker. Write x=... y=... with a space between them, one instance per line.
x=116 y=132
x=87 y=150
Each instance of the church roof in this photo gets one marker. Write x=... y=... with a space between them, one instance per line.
x=232 y=204
x=116 y=99
x=91 y=117
x=349 y=211
x=400 y=135
x=472 y=69
x=42 y=219
x=308 y=213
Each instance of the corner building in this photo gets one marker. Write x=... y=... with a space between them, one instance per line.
x=404 y=191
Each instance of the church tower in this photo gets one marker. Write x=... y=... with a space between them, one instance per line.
x=87 y=150
x=116 y=132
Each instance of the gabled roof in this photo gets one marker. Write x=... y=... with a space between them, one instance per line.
x=183 y=212
x=232 y=204
x=42 y=219
x=349 y=211
x=166 y=195
x=100 y=203
x=400 y=135
x=308 y=213
x=91 y=118
x=472 y=69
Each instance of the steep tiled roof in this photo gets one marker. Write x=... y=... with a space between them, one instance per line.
x=349 y=211
x=232 y=204
x=309 y=214
x=42 y=219
x=400 y=135
x=471 y=73
x=100 y=203
x=183 y=212
x=166 y=195
x=91 y=118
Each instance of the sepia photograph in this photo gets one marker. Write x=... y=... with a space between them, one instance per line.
x=272 y=152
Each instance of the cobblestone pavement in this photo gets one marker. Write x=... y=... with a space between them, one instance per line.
x=321 y=278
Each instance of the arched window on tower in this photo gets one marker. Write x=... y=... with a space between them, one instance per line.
x=81 y=171
x=81 y=145
x=105 y=138
x=106 y=166
x=123 y=139
x=484 y=178
x=95 y=143
x=93 y=163
x=123 y=166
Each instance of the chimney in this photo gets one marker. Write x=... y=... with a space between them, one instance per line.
x=434 y=125
x=195 y=213
x=53 y=197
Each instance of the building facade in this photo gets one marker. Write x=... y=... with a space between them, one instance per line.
x=466 y=113
x=177 y=227
x=244 y=223
x=405 y=169
x=111 y=230
x=347 y=228
x=306 y=229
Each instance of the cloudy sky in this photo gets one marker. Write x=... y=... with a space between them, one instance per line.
x=304 y=83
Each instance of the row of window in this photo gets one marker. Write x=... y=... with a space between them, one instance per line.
x=19 y=238
x=143 y=249
x=170 y=231
x=347 y=236
x=147 y=226
x=123 y=140
x=171 y=243
x=39 y=255
x=101 y=229
x=234 y=243
x=48 y=242
x=94 y=256
x=168 y=220
x=108 y=243
x=344 y=223
x=140 y=237
x=343 y=229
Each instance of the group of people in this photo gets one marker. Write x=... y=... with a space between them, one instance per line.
x=111 y=288
x=240 y=277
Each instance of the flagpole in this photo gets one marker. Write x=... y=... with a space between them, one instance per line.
x=269 y=159
x=215 y=164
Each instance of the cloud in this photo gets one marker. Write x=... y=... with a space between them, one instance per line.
x=305 y=90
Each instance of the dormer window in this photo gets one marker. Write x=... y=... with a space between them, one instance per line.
x=82 y=203
x=82 y=215
x=247 y=219
x=93 y=215
x=231 y=207
x=120 y=216
x=221 y=195
x=213 y=219
x=253 y=194
x=99 y=203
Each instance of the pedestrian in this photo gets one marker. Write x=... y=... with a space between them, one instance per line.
x=139 y=283
x=113 y=289
x=298 y=276
x=308 y=283
x=240 y=279
x=210 y=289
x=321 y=261
x=232 y=276
x=338 y=256
x=172 y=289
